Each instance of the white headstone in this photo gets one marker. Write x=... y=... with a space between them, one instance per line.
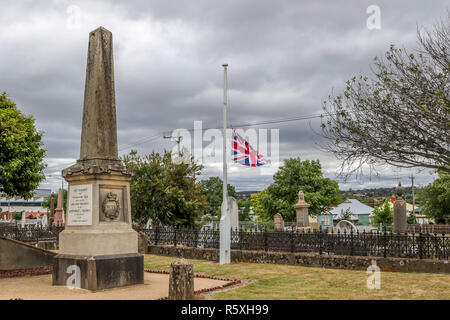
x=23 y=219
x=149 y=222
x=44 y=221
x=233 y=210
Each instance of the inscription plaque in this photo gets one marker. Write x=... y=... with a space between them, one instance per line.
x=80 y=205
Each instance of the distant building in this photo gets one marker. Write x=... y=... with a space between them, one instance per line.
x=33 y=205
x=325 y=221
x=360 y=213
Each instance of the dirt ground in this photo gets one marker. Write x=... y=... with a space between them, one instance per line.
x=155 y=286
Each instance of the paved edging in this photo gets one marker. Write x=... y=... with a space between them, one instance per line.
x=25 y=272
x=203 y=276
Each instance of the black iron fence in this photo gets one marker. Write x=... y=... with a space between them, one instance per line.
x=430 y=228
x=30 y=233
x=385 y=244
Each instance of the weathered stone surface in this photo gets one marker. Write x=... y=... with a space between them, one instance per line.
x=101 y=272
x=16 y=255
x=59 y=211
x=400 y=223
x=98 y=235
x=99 y=131
x=278 y=222
x=301 y=208
x=181 y=281
x=142 y=243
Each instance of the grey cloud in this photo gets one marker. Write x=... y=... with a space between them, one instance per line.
x=285 y=57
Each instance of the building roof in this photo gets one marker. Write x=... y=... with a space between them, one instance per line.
x=409 y=207
x=354 y=206
x=39 y=195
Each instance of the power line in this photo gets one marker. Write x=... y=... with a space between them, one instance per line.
x=242 y=125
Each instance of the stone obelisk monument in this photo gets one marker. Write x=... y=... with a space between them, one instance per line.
x=59 y=211
x=98 y=237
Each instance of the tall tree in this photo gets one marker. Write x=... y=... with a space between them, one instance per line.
x=435 y=199
x=213 y=188
x=21 y=152
x=244 y=210
x=383 y=214
x=282 y=194
x=165 y=190
x=400 y=116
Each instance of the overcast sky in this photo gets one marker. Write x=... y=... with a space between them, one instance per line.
x=284 y=58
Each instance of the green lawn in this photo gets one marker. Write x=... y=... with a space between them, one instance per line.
x=270 y=281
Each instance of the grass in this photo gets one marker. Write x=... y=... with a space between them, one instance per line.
x=272 y=282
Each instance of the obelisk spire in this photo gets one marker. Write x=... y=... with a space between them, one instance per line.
x=99 y=131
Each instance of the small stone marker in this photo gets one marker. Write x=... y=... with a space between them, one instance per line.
x=399 y=211
x=181 y=281
x=142 y=243
x=278 y=222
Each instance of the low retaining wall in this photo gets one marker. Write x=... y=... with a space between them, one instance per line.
x=308 y=259
x=16 y=255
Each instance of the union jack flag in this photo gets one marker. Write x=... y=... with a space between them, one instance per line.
x=243 y=153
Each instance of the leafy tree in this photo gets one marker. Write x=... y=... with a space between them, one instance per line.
x=346 y=215
x=435 y=199
x=400 y=116
x=21 y=153
x=47 y=201
x=213 y=188
x=383 y=214
x=165 y=190
x=282 y=194
x=258 y=208
x=17 y=215
x=411 y=219
x=244 y=210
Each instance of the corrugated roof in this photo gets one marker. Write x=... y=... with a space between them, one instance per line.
x=354 y=206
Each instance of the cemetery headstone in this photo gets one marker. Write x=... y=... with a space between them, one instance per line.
x=400 y=223
x=301 y=208
x=59 y=211
x=278 y=222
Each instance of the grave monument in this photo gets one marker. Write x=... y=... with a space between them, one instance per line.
x=59 y=211
x=98 y=236
x=399 y=211
x=278 y=222
x=301 y=208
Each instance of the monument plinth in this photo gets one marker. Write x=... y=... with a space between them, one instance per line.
x=400 y=223
x=98 y=235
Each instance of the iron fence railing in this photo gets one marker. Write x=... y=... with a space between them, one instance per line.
x=30 y=233
x=430 y=228
x=385 y=244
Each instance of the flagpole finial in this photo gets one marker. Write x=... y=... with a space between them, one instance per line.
x=225 y=65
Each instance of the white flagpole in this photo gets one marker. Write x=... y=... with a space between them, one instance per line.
x=225 y=224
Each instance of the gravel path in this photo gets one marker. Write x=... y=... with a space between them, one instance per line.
x=40 y=288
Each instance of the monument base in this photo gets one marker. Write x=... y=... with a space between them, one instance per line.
x=99 y=272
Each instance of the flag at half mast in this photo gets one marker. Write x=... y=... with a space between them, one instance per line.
x=243 y=153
